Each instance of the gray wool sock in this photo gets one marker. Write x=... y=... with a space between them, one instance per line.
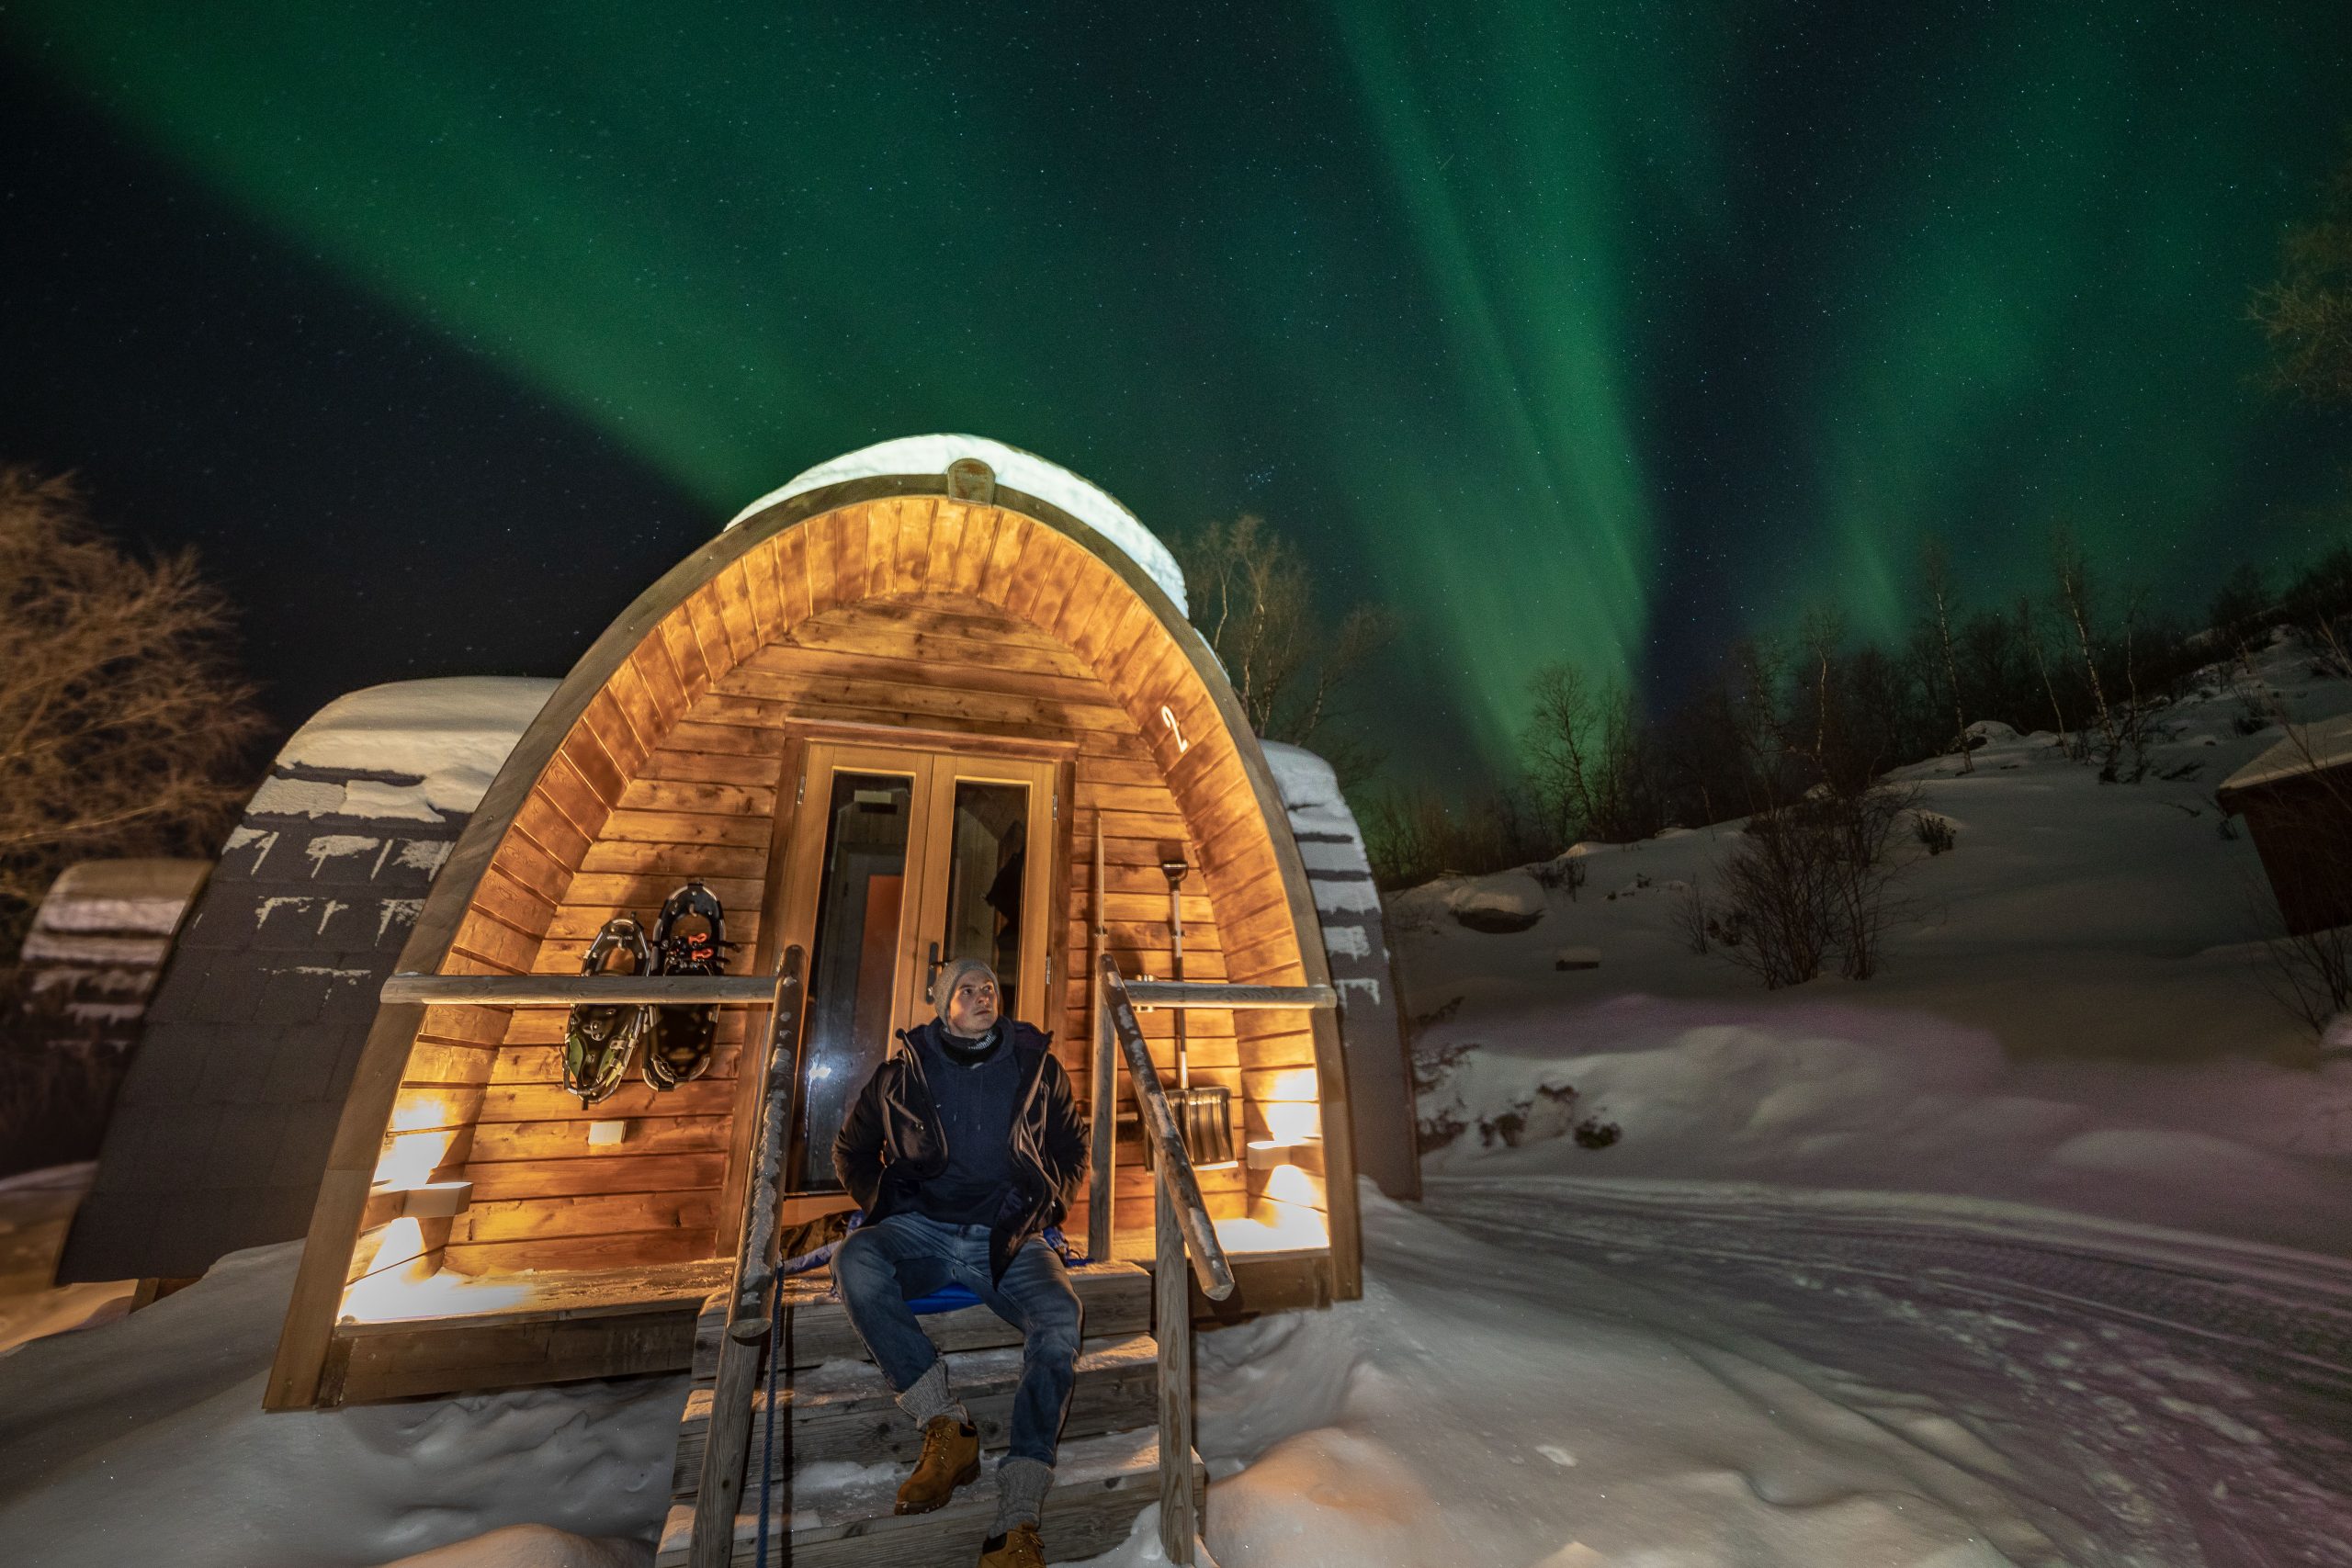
x=929 y=1398
x=1021 y=1488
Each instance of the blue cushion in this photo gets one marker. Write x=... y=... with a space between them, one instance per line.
x=947 y=1298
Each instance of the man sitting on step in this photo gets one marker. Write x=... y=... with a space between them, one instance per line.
x=963 y=1146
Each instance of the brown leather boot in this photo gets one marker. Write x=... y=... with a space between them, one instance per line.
x=951 y=1458
x=1020 y=1547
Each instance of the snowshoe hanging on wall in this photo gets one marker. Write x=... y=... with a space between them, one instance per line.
x=689 y=938
x=599 y=1040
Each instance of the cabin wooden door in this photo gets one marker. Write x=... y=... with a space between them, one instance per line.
x=903 y=859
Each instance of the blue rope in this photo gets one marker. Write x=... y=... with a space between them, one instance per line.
x=767 y=1438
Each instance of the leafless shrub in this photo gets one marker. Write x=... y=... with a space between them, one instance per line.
x=1560 y=873
x=1810 y=881
x=123 y=726
x=1414 y=835
x=2310 y=973
x=1692 y=919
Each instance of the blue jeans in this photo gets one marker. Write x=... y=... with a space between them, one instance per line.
x=882 y=1266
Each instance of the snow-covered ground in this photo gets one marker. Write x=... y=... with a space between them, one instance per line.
x=1561 y=1376
x=2076 y=1009
x=142 y=1442
x=1542 y=1374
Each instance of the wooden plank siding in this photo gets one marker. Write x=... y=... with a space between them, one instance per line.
x=908 y=614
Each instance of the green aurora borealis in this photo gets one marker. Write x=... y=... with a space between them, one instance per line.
x=1599 y=330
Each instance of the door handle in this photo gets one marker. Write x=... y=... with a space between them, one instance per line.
x=931 y=976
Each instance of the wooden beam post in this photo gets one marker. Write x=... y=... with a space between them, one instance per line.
x=1104 y=1078
x=1172 y=1323
x=574 y=990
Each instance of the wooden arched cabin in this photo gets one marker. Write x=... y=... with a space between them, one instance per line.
x=862 y=683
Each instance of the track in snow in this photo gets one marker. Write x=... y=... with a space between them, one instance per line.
x=2165 y=1399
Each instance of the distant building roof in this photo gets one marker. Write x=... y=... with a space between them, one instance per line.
x=2307 y=748
x=222 y=1131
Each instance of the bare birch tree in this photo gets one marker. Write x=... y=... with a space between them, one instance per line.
x=2030 y=634
x=2071 y=569
x=1935 y=575
x=124 y=727
x=1253 y=598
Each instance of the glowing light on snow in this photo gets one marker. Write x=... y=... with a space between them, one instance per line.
x=1289 y=1184
x=1274 y=1227
x=400 y=1293
x=1289 y=1122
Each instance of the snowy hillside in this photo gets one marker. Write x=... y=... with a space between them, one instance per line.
x=2073 y=1010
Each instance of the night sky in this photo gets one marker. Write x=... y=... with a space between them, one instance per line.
x=1606 y=332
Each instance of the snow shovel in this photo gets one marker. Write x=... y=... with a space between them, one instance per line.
x=1203 y=1115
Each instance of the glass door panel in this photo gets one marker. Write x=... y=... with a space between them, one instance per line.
x=853 y=967
x=987 y=864
x=985 y=894
x=901 y=862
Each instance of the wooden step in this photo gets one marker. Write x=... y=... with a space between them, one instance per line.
x=1116 y=1298
x=844 y=1410
x=839 y=1517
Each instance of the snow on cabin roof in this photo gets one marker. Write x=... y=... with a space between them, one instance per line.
x=451 y=735
x=1016 y=469
x=121 y=895
x=2307 y=748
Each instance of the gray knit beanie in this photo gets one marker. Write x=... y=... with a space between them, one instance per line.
x=959 y=970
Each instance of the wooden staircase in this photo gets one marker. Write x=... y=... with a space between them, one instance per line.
x=842 y=1446
x=839 y=1444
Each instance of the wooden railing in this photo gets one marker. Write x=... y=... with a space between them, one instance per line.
x=1181 y=1229
x=752 y=1301
x=578 y=991
x=752 y=1304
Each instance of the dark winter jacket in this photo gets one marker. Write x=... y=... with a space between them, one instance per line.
x=891 y=1143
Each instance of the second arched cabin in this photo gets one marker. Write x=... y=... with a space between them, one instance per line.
x=884 y=716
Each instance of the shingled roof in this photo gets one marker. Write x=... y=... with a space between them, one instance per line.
x=222 y=1127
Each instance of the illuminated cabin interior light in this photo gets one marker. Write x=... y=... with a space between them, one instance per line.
x=422 y=1110
x=1290 y=1123
x=409 y=1158
x=1293 y=1083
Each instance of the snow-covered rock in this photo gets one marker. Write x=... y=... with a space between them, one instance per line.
x=1507 y=901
